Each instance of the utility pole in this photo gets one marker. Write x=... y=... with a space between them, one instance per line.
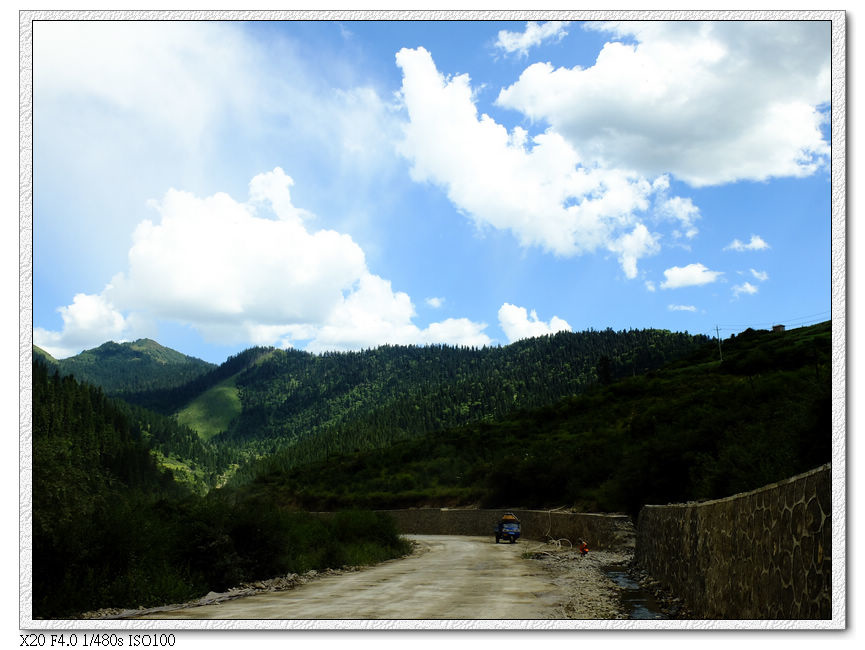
x=718 y=334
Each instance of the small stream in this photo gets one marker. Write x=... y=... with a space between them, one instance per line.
x=638 y=603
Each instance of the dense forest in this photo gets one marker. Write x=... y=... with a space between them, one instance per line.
x=699 y=428
x=172 y=399
x=597 y=421
x=126 y=368
x=113 y=529
x=193 y=461
x=307 y=407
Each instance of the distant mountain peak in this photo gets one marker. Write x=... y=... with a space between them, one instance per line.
x=138 y=365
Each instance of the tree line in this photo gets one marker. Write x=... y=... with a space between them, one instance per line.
x=298 y=407
x=111 y=528
x=695 y=429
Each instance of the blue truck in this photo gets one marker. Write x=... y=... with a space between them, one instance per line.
x=508 y=528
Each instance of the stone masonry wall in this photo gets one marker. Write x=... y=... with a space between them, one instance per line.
x=764 y=554
x=600 y=531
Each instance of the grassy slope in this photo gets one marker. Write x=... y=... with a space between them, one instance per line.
x=211 y=412
x=39 y=353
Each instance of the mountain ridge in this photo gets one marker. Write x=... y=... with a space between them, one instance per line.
x=132 y=366
x=697 y=428
x=263 y=399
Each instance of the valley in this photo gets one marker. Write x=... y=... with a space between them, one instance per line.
x=184 y=488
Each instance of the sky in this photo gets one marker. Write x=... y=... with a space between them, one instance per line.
x=336 y=185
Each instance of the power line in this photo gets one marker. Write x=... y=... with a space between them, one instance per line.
x=729 y=326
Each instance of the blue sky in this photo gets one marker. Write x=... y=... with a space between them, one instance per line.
x=340 y=185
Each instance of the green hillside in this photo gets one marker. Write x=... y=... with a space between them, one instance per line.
x=122 y=368
x=213 y=411
x=695 y=429
x=111 y=528
x=44 y=357
x=174 y=399
x=597 y=421
x=317 y=405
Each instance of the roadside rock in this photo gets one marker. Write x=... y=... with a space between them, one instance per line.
x=590 y=594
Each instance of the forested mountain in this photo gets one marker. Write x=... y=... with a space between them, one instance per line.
x=172 y=399
x=316 y=405
x=124 y=368
x=64 y=405
x=698 y=428
x=113 y=529
x=600 y=421
x=263 y=400
x=87 y=456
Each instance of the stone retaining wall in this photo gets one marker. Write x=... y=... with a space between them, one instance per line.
x=764 y=554
x=600 y=531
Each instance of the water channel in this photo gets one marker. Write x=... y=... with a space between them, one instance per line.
x=638 y=603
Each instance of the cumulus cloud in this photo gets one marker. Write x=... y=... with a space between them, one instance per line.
x=762 y=276
x=634 y=245
x=682 y=210
x=689 y=276
x=536 y=187
x=746 y=288
x=456 y=331
x=534 y=34
x=681 y=308
x=435 y=302
x=650 y=286
x=374 y=314
x=708 y=102
x=174 y=91
x=518 y=324
x=251 y=271
x=89 y=318
x=756 y=244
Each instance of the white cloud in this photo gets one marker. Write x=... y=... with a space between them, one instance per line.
x=746 y=288
x=708 y=102
x=166 y=75
x=435 y=302
x=535 y=34
x=178 y=82
x=89 y=318
x=237 y=274
x=650 y=286
x=681 y=308
x=538 y=187
x=756 y=244
x=762 y=276
x=689 y=276
x=518 y=324
x=682 y=210
x=634 y=245
x=456 y=331
x=192 y=102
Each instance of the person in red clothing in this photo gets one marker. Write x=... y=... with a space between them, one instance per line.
x=584 y=548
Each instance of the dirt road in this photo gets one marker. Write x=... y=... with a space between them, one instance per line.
x=449 y=578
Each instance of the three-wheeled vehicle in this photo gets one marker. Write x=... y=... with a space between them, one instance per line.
x=508 y=528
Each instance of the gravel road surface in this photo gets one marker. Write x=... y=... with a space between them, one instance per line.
x=448 y=577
